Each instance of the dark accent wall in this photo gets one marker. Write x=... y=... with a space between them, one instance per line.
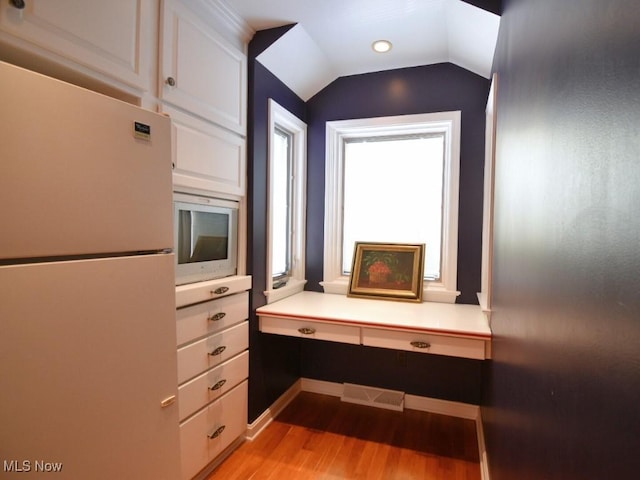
x=563 y=388
x=274 y=362
x=433 y=376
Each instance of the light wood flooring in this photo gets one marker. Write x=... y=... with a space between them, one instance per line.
x=319 y=437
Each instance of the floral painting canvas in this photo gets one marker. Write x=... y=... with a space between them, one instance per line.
x=387 y=270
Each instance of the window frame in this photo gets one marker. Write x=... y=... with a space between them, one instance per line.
x=443 y=290
x=280 y=118
x=277 y=131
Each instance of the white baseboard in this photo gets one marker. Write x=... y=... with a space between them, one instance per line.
x=320 y=386
x=484 y=462
x=412 y=402
x=441 y=407
x=258 y=425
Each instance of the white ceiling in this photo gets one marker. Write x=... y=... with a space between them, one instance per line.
x=333 y=38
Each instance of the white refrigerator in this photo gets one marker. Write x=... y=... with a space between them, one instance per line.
x=87 y=299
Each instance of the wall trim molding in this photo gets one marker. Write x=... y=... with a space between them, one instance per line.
x=413 y=402
x=259 y=424
x=482 y=448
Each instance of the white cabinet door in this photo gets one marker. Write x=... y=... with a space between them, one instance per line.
x=310 y=329
x=106 y=37
x=212 y=384
x=211 y=351
x=206 y=318
x=209 y=432
x=206 y=157
x=87 y=360
x=425 y=343
x=200 y=71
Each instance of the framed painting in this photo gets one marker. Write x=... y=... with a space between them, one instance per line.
x=391 y=271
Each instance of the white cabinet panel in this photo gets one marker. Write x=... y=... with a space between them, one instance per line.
x=211 y=351
x=84 y=32
x=208 y=433
x=311 y=329
x=206 y=157
x=202 y=291
x=205 y=388
x=205 y=318
x=200 y=71
x=425 y=343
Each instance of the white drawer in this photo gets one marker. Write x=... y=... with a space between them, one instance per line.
x=424 y=343
x=209 y=432
x=204 y=318
x=211 y=289
x=314 y=330
x=205 y=388
x=204 y=354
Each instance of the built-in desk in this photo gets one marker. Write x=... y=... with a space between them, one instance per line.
x=435 y=328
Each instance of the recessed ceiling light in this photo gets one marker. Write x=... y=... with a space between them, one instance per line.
x=381 y=46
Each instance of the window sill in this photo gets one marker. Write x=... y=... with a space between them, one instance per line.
x=431 y=293
x=292 y=287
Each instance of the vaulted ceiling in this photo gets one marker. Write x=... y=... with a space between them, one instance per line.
x=333 y=38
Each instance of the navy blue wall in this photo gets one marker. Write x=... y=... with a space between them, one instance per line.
x=276 y=362
x=563 y=387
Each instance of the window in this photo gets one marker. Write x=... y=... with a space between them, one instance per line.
x=394 y=179
x=286 y=222
x=280 y=208
x=374 y=194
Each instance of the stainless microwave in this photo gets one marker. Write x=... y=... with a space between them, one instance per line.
x=205 y=238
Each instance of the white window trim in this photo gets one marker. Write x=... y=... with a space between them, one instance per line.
x=444 y=290
x=287 y=121
x=484 y=295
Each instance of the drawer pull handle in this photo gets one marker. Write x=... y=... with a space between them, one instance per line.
x=171 y=81
x=218 y=351
x=220 y=290
x=218 y=385
x=217 y=316
x=307 y=330
x=419 y=344
x=217 y=433
x=19 y=4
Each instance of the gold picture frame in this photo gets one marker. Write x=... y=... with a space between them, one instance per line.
x=390 y=271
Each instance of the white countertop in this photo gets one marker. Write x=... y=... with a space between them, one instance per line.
x=437 y=318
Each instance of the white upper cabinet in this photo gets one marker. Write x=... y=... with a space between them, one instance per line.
x=106 y=37
x=206 y=158
x=201 y=72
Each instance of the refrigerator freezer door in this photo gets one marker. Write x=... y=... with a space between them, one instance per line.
x=87 y=357
x=78 y=176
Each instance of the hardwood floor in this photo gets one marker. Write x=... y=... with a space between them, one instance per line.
x=320 y=437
